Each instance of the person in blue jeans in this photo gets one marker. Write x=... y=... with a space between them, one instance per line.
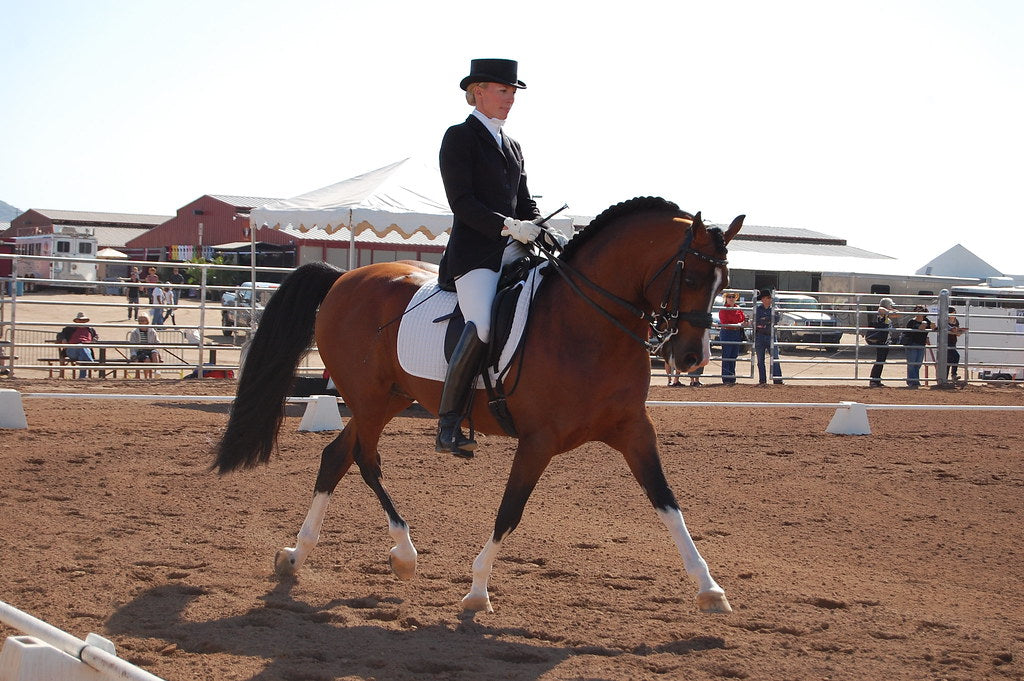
x=731 y=320
x=914 y=340
x=765 y=319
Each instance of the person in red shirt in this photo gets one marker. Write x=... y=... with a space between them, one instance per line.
x=80 y=334
x=731 y=319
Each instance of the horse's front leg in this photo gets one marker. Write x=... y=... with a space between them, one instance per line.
x=641 y=454
x=526 y=471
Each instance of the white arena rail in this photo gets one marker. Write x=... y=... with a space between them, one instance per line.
x=49 y=653
x=835 y=405
x=321 y=410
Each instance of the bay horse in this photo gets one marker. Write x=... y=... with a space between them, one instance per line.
x=642 y=277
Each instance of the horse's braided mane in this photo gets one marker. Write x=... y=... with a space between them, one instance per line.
x=640 y=204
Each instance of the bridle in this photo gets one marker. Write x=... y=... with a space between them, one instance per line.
x=664 y=321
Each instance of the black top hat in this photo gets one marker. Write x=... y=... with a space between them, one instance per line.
x=493 y=71
x=764 y=293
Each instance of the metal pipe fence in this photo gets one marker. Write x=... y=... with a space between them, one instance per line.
x=819 y=336
x=202 y=344
x=826 y=341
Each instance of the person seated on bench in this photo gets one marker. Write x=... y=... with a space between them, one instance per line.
x=144 y=335
x=80 y=334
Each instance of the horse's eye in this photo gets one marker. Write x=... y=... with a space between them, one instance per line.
x=690 y=282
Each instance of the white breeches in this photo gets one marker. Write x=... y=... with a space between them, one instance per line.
x=476 y=290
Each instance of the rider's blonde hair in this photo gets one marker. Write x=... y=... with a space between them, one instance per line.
x=471 y=92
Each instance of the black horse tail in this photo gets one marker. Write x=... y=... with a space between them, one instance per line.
x=284 y=334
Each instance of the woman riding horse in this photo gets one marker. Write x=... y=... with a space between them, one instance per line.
x=641 y=269
x=484 y=179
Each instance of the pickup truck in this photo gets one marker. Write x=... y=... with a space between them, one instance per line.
x=802 y=319
x=237 y=308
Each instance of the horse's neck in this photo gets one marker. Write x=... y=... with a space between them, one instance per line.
x=572 y=314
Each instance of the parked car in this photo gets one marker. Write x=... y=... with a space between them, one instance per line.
x=237 y=308
x=797 y=311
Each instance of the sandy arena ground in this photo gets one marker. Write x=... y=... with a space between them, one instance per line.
x=892 y=556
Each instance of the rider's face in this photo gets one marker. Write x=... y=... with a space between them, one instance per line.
x=495 y=100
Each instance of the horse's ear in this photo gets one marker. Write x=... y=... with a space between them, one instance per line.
x=734 y=228
x=698 y=223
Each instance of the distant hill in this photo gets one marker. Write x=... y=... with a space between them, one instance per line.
x=8 y=212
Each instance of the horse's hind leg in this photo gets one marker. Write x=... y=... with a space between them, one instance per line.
x=641 y=454
x=357 y=443
x=402 y=557
x=335 y=461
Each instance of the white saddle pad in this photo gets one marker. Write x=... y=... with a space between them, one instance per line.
x=421 y=340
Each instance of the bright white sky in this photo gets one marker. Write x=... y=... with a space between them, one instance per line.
x=896 y=124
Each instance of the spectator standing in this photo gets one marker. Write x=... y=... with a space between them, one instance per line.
x=914 y=340
x=80 y=334
x=765 y=319
x=731 y=320
x=151 y=278
x=952 y=354
x=133 y=292
x=880 y=336
x=159 y=301
x=176 y=278
x=170 y=300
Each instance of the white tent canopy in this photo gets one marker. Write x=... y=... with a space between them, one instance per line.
x=406 y=196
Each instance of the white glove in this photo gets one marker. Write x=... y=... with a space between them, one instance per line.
x=520 y=230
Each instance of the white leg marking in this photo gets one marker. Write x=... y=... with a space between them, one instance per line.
x=695 y=566
x=403 y=554
x=288 y=561
x=477 y=598
x=707 y=332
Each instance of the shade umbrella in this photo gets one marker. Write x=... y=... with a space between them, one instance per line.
x=108 y=254
x=111 y=254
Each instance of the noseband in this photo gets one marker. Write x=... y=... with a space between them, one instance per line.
x=664 y=322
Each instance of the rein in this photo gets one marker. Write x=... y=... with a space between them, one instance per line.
x=664 y=322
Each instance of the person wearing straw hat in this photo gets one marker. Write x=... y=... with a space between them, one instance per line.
x=494 y=218
x=79 y=334
x=880 y=336
x=731 y=320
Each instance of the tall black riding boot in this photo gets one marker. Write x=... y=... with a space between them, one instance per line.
x=462 y=371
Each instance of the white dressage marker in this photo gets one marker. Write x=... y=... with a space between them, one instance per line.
x=321 y=414
x=12 y=413
x=851 y=418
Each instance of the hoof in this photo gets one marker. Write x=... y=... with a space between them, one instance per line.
x=477 y=603
x=284 y=563
x=403 y=569
x=713 y=602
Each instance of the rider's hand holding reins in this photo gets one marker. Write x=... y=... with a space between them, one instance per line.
x=522 y=231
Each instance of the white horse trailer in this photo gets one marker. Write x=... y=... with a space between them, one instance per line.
x=53 y=262
x=994 y=317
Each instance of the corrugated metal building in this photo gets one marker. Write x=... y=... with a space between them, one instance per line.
x=112 y=230
x=223 y=220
